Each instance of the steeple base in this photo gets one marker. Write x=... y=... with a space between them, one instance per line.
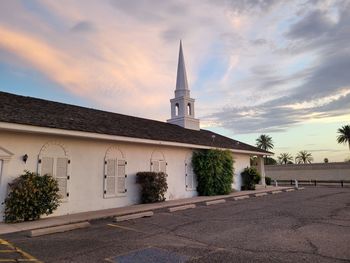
x=186 y=122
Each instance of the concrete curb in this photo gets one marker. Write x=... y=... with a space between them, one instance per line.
x=126 y=211
x=261 y=194
x=182 y=207
x=57 y=229
x=276 y=192
x=241 y=197
x=133 y=216
x=219 y=201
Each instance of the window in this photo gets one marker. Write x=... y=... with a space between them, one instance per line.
x=5 y=156
x=1 y=161
x=190 y=177
x=53 y=160
x=177 y=109
x=189 y=112
x=115 y=178
x=114 y=173
x=158 y=166
x=158 y=162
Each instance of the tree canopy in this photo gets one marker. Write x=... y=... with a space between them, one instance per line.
x=285 y=158
x=264 y=142
x=304 y=157
x=344 y=135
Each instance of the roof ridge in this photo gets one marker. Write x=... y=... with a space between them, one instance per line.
x=85 y=107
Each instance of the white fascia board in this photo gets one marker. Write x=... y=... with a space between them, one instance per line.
x=61 y=132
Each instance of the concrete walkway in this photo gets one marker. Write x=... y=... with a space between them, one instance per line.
x=87 y=216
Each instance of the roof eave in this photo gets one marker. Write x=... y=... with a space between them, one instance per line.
x=23 y=128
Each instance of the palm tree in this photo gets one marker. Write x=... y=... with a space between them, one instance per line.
x=285 y=158
x=304 y=157
x=344 y=135
x=264 y=142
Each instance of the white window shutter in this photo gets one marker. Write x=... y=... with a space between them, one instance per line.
x=62 y=176
x=121 y=177
x=46 y=166
x=162 y=166
x=155 y=166
x=110 y=178
x=191 y=182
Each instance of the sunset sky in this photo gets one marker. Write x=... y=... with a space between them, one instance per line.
x=276 y=67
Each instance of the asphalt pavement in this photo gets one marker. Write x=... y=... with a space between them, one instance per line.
x=310 y=225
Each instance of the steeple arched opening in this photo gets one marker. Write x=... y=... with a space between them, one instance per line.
x=189 y=109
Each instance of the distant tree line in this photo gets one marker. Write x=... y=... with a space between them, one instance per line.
x=266 y=143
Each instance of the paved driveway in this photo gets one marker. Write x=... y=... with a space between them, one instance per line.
x=312 y=225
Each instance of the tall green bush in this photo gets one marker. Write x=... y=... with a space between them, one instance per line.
x=250 y=177
x=153 y=186
x=214 y=171
x=31 y=196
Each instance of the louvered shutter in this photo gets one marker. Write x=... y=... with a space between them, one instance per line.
x=162 y=166
x=47 y=165
x=189 y=176
x=121 y=177
x=1 y=161
x=62 y=176
x=191 y=180
x=110 y=178
x=155 y=166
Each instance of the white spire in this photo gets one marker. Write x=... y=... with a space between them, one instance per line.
x=181 y=80
x=182 y=106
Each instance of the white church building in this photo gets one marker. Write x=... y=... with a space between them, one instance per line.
x=95 y=154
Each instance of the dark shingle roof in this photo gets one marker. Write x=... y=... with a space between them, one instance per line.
x=43 y=113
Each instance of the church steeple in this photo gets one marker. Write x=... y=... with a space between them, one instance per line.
x=182 y=106
x=181 y=80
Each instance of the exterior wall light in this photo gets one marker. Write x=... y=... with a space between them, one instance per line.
x=25 y=158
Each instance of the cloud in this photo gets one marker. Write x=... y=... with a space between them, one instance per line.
x=316 y=88
x=40 y=55
x=327 y=150
x=259 y=42
x=241 y=6
x=314 y=25
x=252 y=65
x=83 y=26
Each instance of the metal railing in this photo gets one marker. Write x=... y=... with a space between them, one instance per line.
x=341 y=183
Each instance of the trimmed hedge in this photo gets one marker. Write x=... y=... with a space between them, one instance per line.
x=250 y=177
x=154 y=186
x=31 y=196
x=214 y=171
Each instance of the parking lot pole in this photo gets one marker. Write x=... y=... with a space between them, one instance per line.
x=296 y=184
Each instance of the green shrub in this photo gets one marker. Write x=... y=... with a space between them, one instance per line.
x=31 y=196
x=268 y=180
x=154 y=186
x=214 y=171
x=250 y=177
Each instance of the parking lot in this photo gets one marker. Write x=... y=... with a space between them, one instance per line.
x=310 y=225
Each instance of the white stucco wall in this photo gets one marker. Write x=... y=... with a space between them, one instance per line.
x=241 y=161
x=87 y=169
x=315 y=171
